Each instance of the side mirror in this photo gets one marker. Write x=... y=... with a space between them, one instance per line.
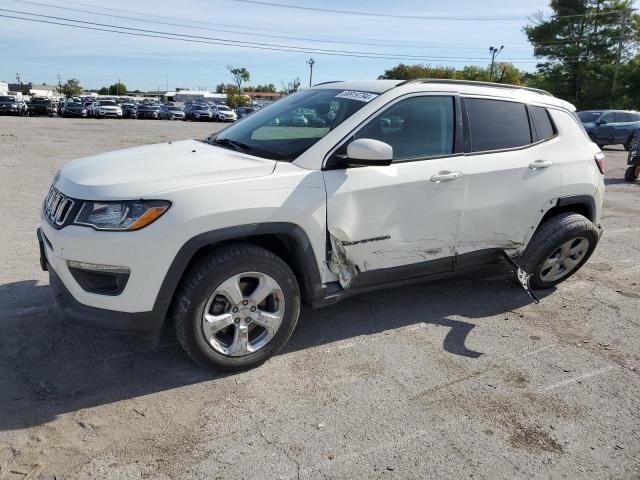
x=368 y=152
x=601 y=122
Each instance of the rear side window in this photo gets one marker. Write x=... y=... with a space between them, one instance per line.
x=542 y=126
x=634 y=117
x=497 y=124
x=622 y=117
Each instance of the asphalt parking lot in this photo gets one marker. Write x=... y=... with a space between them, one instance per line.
x=452 y=379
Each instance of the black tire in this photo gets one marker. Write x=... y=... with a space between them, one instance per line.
x=549 y=237
x=630 y=174
x=201 y=281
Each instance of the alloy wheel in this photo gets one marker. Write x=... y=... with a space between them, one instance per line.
x=564 y=259
x=243 y=314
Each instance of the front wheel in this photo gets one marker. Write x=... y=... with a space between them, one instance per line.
x=237 y=308
x=559 y=248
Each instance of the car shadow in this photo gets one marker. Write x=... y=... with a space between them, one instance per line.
x=50 y=367
x=618 y=181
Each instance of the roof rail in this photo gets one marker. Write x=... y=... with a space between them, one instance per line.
x=330 y=81
x=476 y=83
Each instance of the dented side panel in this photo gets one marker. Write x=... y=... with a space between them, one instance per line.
x=506 y=199
x=383 y=217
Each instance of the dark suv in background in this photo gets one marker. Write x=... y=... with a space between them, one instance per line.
x=611 y=127
x=42 y=106
x=10 y=105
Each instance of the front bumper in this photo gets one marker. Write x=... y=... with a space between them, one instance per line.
x=147 y=322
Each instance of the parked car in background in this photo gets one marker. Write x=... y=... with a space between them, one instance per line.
x=148 y=110
x=230 y=236
x=169 y=112
x=610 y=127
x=10 y=105
x=244 y=111
x=129 y=110
x=73 y=109
x=197 y=112
x=106 y=108
x=222 y=113
x=42 y=106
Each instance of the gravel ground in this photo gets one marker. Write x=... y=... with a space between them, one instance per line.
x=412 y=382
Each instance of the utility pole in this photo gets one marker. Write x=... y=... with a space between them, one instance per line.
x=494 y=53
x=18 y=78
x=311 y=62
x=118 y=88
x=616 y=71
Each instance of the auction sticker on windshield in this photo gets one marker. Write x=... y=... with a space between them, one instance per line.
x=359 y=96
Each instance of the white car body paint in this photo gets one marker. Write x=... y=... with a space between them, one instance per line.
x=384 y=216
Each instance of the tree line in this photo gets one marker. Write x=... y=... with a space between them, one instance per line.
x=588 y=52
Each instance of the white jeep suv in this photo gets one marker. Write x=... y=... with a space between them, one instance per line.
x=386 y=182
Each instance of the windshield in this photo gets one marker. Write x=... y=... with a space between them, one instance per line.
x=175 y=109
x=287 y=128
x=587 y=117
x=75 y=105
x=40 y=100
x=7 y=99
x=107 y=103
x=224 y=108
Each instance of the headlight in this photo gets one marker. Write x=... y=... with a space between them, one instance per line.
x=121 y=216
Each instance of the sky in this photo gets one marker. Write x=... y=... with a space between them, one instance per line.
x=40 y=52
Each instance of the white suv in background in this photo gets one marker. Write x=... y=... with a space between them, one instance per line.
x=388 y=182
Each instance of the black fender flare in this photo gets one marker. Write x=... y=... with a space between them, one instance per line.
x=302 y=253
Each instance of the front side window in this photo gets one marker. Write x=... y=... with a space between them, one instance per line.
x=287 y=128
x=497 y=124
x=608 y=118
x=416 y=128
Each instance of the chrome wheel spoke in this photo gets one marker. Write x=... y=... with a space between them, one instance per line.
x=230 y=288
x=218 y=322
x=265 y=288
x=270 y=321
x=240 y=344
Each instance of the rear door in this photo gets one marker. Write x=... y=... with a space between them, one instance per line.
x=407 y=213
x=510 y=171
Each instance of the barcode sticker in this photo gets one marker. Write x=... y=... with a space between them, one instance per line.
x=359 y=96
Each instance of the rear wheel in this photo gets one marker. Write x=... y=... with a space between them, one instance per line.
x=237 y=308
x=559 y=248
x=631 y=174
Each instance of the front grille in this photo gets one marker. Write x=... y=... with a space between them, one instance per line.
x=57 y=207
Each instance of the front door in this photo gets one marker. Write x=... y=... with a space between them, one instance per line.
x=408 y=213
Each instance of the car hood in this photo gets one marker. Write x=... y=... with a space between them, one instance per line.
x=142 y=171
x=107 y=107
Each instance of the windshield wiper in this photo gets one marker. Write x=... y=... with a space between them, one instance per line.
x=225 y=142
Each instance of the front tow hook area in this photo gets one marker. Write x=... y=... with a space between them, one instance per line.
x=43 y=253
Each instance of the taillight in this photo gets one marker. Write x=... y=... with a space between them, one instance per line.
x=599 y=158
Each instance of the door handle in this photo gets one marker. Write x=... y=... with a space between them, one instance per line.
x=540 y=164
x=445 y=176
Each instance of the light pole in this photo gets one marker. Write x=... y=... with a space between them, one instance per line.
x=494 y=53
x=311 y=62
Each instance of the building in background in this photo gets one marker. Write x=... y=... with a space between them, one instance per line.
x=4 y=88
x=29 y=89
